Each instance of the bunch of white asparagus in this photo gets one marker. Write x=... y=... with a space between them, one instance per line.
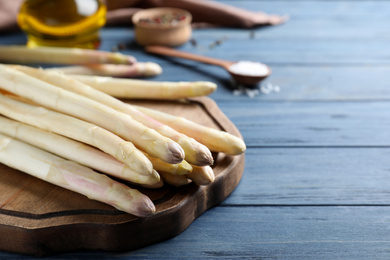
x=67 y=130
x=73 y=131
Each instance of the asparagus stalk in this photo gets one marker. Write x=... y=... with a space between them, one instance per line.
x=138 y=69
x=73 y=150
x=195 y=152
x=79 y=130
x=175 y=180
x=73 y=176
x=143 y=89
x=92 y=111
x=157 y=185
x=59 y=55
x=201 y=175
x=215 y=140
x=175 y=169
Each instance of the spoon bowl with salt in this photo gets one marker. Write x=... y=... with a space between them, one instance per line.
x=243 y=72
x=249 y=72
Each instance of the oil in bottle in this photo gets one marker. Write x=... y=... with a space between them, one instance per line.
x=62 y=23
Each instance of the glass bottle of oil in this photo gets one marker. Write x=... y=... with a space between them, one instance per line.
x=62 y=23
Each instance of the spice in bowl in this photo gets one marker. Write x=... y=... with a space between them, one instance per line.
x=163 y=19
x=162 y=26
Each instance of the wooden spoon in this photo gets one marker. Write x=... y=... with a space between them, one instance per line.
x=245 y=79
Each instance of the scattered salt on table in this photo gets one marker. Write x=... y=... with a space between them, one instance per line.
x=252 y=92
x=249 y=68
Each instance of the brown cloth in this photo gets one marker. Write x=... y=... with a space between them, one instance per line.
x=205 y=12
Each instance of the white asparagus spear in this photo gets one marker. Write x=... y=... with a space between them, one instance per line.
x=145 y=89
x=175 y=180
x=73 y=150
x=195 y=152
x=175 y=169
x=73 y=176
x=201 y=175
x=215 y=140
x=138 y=69
x=157 y=185
x=79 y=130
x=60 y=55
x=92 y=111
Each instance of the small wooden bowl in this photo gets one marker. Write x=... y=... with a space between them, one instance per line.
x=169 y=32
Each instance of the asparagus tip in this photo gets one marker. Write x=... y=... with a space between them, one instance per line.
x=131 y=60
x=237 y=145
x=152 y=69
x=177 y=153
x=144 y=208
x=208 y=86
x=183 y=168
x=156 y=176
x=202 y=175
x=210 y=173
x=204 y=157
x=241 y=147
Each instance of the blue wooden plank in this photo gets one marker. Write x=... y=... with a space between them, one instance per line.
x=311 y=51
x=269 y=233
x=327 y=83
x=297 y=50
x=316 y=10
x=296 y=83
x=282 y=233
x=281 y=124
x=314 y=176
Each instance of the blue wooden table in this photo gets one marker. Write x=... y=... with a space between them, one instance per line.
x=316 y=184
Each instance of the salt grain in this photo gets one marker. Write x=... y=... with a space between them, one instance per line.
x=237 y=92
x=249 y=68
x=269 y=88
x=266 y=89
x=252 y=92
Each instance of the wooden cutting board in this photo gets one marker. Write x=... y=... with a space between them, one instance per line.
x=38 y=218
